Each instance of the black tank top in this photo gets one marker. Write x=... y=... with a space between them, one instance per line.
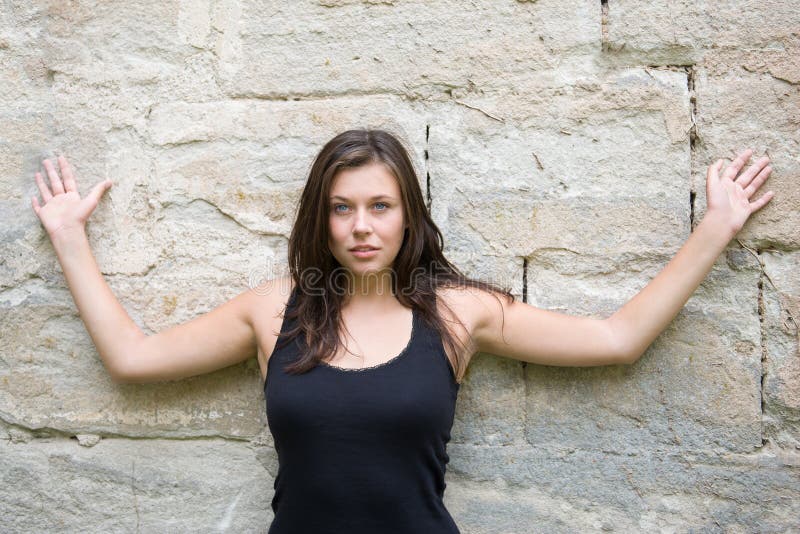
x=362 y=450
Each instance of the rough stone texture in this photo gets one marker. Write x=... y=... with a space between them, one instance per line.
x=542 y=489
x=764 y=111
x=696 y=388
x=424 y=49
x=563 y=148
x=781 y=309
x=686 y=32
x=121 y=485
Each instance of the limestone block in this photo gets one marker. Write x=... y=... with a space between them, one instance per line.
x=107 y=64
x=251 y=159
x=696 y=387
x=524 y=489
x=500 y=270
x=489 y=410
x=420 y=48
x=603 y=169
x=51 y=376
x=129 y=485
x=739 y=110
x=685 y=32
x=26 y=77
x=782 y=366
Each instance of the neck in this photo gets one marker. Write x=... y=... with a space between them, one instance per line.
x=370 y=289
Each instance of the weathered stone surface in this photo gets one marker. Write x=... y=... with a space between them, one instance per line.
x=488 y=409
x=51 y=376
x=258 y=180
x=764 y=118
x=685 y=32
x=543 y=132
x=521 y=489
x=133 y=486
x=781 y=309
x=696 y=387
x=425 y=49
x=589 y=186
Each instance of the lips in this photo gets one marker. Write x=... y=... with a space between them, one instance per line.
x=363 y=248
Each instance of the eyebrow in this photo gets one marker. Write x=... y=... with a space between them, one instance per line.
x=376 y=197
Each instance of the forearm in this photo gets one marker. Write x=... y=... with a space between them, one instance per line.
x=113 y=331
x=637 y=324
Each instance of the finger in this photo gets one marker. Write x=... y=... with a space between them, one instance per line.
x=713 y=170
x=43 y=189
x=35 y=204
x=761 y=202
x=758 y=181
x=66 y=172
x=737 y=164
x=55 y=181
x=752 y=171
x=97 y=191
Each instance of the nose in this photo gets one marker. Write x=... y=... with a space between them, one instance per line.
x=362 y=224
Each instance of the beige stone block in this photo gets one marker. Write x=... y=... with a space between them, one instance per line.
x=684 y=32
x=612 y=172
x=425 y=49
x=781 y=320
x=489 y=410
x=564 y=489
x=696 y=387
x=53 y=378
x=119 y=485
x=739 y=110
x=251 y=160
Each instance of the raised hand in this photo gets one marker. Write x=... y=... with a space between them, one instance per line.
x=63 y=208
x=728 y=197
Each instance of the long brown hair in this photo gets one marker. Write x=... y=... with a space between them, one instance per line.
x=419 y=268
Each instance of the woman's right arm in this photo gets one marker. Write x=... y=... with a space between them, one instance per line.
x=217 y=339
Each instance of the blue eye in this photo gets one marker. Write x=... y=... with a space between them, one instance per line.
x=337 y=206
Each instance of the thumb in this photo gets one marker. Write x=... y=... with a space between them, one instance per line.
x=98 y=190
x=713 y=170
x=89 y=203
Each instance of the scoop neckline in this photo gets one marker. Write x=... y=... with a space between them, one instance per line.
x=387 y=362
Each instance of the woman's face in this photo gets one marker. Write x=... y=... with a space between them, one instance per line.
x=365 y=210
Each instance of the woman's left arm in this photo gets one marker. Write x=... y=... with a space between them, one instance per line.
x=648 y=313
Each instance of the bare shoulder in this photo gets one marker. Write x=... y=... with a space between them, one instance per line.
x=267 y=303
x=468 y=311
x=471 y=304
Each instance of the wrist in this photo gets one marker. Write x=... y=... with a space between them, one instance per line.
x=718 y=226
x=68 y=238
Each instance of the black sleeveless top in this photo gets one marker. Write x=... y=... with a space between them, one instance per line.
x=362 y=450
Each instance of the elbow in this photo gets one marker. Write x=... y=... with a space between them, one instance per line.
x=627 y=353
x=629 y=357
x=624 y=350
x=119 y=372
x=118 y=376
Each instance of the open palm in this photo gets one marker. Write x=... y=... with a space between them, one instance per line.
x=63 y=208
x=728 y=197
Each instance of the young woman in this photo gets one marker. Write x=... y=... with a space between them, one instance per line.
x=364 y=346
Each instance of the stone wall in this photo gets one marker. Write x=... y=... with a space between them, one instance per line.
x=563 y=148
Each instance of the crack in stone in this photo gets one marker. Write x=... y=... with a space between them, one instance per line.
x=135 y=497
x=227 y=216
x=428 y=198
x=49 y=432
x=524 y=364
x=525 y=280
x=763 y=340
